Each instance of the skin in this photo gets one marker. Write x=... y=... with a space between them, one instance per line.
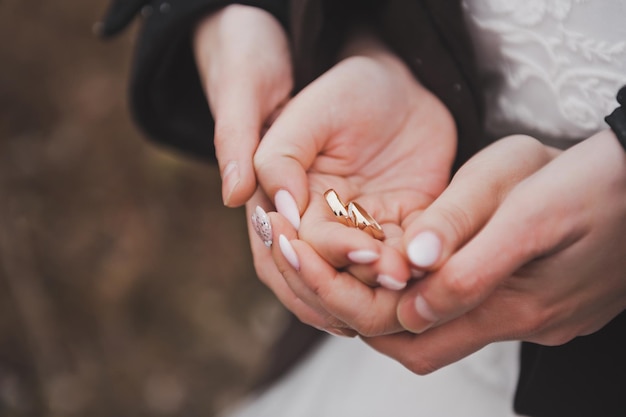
x=246 y=86
x=387 y=126
x=545 y=262
x=522 y=244
x=556 y=224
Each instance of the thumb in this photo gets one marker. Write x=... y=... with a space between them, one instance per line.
x=245 y=86
x=469 y=201
x=454 y=220
x=238 y=124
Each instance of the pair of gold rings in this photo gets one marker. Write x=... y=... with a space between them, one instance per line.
x=353 y=215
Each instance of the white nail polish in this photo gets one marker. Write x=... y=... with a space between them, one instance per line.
x=286 y=205
x=363 y=256
x=262 y=225
x=288 y=252
x=424 y=249
x=390 y=282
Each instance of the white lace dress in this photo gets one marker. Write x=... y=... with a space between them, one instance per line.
x=551 y=68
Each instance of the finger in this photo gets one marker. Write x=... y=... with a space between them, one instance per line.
x=236 y=138
x=541 y=218
x=269 y=274
x=242 y=89
x=371 y=261
x=369 y=311
x=525 y=226
x=471 y=198
x=436 y=348
x=296 y=140
x=287 y=264
x=283 y=157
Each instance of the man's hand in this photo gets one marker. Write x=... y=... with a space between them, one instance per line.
x=244 y=63
x=532 y=248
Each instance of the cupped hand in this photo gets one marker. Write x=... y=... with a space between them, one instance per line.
x=244 y=63
x=543 y=260
x=370 y=131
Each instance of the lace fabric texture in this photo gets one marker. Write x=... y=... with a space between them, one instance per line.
x=550 y=68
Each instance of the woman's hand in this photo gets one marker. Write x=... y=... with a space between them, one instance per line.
x=244 y=63
x=370 y=131
x=543 y=260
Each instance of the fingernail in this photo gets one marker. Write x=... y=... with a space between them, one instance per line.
x=288 y=252
x=337 y=332
x=286 y=205
x=424 y=249
x=363 y=256
x=262 y=225
x=230 y=180
x=390 y=282
x=425 y=312
x=417 y=273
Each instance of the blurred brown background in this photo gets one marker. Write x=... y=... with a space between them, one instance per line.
x=126 y=288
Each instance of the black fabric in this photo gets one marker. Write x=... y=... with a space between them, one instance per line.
x=166 y=96
x=428 y=35
x=583 y=378
x=431 y=38
x=119 y=15
x=617 y=119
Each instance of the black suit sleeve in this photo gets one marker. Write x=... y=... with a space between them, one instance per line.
x=166 y=97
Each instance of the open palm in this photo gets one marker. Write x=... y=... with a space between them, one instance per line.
x=369 y=130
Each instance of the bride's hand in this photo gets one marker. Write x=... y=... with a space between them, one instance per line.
x=370 y=131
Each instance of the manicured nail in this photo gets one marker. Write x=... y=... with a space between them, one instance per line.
x=417 y=273
x=262 y=225
x=288 y=252
x=230 y=180
x=286 y=205
x=426 y=312
x=364 y=256
x=390 y=282
x=424 y=249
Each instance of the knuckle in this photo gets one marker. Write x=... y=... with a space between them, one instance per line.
x=366 y=329
x=542 y=323
x=309 y=319
x=419 y=365
x=223 y=131
x=334 y=322
x=534 y=319
x=318 y=289
x=520 y=142
x=260 y=160
x=462 y=288
x=556 y=337
x=458 y=220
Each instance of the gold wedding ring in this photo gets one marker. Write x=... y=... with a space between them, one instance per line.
x=339 y=209
x=353 y=215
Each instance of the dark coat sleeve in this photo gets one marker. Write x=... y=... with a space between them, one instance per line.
x=431 y=37
x=166 y=97
x=428 y=35
x=582 y=378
